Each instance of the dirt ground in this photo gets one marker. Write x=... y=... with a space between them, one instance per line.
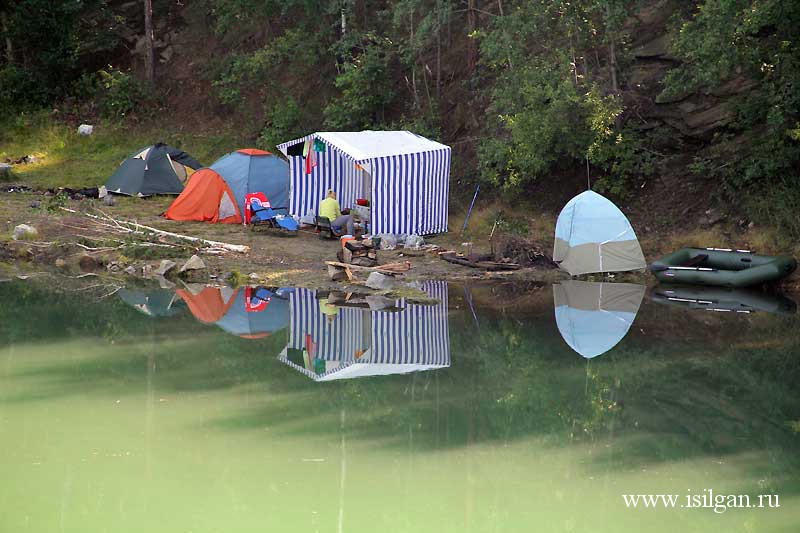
x=273 y=259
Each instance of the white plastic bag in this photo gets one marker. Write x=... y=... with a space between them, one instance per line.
x=308 y=218
x=414 y=241
x=388 y=242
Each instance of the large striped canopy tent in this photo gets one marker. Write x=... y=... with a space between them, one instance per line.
x=403 y=175
x=341 y=343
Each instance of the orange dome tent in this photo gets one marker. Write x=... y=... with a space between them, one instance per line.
x=206 y=198
x=218 y=193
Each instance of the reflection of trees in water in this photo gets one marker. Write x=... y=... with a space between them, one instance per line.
x=515 y=378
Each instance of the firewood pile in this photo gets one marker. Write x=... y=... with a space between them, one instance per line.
x=521 y=251
x=360 y=253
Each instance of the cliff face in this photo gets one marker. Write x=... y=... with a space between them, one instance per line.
x=693 y=117
x=678 y=130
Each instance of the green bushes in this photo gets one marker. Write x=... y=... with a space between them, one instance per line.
x=121 y=92
x=284 y=122
x=364 y=89
x=740 y=41
x=48 y=46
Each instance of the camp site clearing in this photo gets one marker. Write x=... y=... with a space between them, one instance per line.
x=272 y=258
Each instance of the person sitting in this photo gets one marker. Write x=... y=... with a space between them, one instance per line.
x=329 y=208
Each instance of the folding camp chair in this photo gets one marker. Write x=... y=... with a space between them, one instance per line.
x=261 y=213
x=270 y=217
x=327 y=230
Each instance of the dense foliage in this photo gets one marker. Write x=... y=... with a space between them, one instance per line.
x=48 y=46
x=754 y=40
x=528 y=89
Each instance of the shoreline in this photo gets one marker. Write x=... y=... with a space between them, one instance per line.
x=67 y=244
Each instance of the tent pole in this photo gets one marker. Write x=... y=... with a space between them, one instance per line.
x=588 y=182
x=471 y=205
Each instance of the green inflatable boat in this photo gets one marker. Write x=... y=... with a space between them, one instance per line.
x=723 y=299
x=721 y=267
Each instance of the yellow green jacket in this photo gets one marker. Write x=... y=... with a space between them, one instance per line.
x=329 y=208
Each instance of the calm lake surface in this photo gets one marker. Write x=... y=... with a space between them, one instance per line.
x=503 y=408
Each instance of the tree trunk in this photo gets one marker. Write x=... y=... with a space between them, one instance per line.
x=612 y=65
x=9 y=48
x=149 y=42
x=438 y=50
x=413 y=62
x=472 y=25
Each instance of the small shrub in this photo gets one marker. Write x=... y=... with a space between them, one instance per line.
x=284 y=122
x=56 y=202
x=237 y=279
x=121 y=93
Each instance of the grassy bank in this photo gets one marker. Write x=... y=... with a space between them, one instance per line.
x=66 y=159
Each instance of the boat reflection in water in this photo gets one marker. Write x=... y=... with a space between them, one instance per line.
x=329 y=342
x=723 y=299
x=594 y=317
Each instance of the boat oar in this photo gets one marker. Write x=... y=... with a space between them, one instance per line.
x=661 y=268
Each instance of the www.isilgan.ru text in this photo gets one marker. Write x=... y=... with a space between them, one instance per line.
x=706 y=499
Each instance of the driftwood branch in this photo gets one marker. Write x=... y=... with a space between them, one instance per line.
x=489 y=266
x=141 y=229
x=389 y=269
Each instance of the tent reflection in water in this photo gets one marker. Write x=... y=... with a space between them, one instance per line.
x=594 y=317
x=153 y=303
x=249 y=312
x=327 y=344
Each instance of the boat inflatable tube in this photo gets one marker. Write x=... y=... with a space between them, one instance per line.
x=721 y=267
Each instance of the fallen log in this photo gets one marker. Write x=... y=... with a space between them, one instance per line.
x=490 y=266
x=339 y=273
x=390 y=269
x=141 y=229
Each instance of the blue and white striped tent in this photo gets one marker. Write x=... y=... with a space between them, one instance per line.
x=404 y=176
x=360 y=342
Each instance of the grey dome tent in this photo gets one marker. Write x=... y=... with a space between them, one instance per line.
x=157 y=169
x=592 y=235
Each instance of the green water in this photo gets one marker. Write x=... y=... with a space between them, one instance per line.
x=111 y=420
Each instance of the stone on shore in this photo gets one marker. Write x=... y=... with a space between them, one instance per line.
x=25 y=232
x=381 y=282
x=165 y=266
x=194 y=263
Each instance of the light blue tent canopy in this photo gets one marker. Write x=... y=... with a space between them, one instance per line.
x=594 y=317
x=249 y=170
x=592 y=235
x=327 y=344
